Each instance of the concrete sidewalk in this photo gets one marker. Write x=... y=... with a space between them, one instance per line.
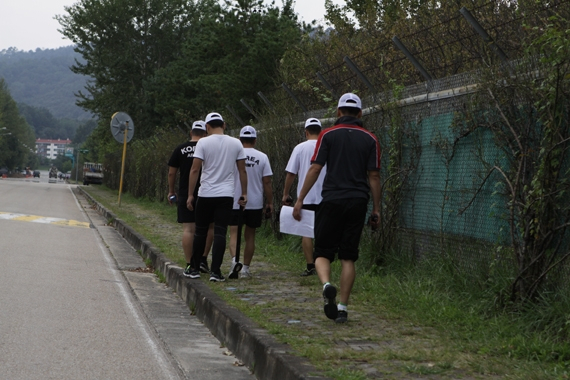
x=184 y=338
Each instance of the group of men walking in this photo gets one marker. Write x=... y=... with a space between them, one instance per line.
x=224 y=181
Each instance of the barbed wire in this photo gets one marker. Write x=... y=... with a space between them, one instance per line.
x=448 y=46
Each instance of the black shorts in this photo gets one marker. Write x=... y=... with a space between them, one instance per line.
x=250 y=218
x=338 y=226
x=311 y=207
x=185 y=215
x=216 y=210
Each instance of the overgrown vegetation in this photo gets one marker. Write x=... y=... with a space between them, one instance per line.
x=420 y=321
x=528 y=116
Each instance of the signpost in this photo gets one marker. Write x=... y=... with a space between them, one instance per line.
x=123 y=129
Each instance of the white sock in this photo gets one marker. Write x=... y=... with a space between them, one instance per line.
x=341 y=307
x=245 y=268
x=233 y=259
x=325 y=285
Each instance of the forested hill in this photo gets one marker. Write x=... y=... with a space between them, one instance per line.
x=42 y=78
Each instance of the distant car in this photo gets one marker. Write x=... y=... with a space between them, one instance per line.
x=3 y=171
x=36 y=174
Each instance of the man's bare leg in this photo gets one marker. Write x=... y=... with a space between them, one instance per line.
x=323 y=266
x=188 y=230
x=209 y=241
x=249 y=237
x=233 y=240
x=347 y=276
x=307 y=244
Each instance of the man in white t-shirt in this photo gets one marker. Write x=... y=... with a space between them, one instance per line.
x=216 y=156
x=299 y=164
x=258 y=182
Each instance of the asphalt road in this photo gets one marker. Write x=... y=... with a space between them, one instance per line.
x=66 y=312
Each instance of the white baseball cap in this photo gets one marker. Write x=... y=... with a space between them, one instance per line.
x=213 y=116
x=350 y=100
x=312 y=121
x=248 y=131
x=199 y=124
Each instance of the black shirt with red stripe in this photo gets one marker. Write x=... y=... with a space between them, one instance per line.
x=350 y=152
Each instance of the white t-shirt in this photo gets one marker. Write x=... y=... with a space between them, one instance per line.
x=219 y=154
x=257 y=166
x=299 y=164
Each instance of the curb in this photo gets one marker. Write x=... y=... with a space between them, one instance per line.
x=253 y=346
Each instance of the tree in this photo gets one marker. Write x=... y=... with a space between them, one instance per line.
x=123 y=42
x=17 y=139
x=231 y=52
x=62 y=163
x=83 y=131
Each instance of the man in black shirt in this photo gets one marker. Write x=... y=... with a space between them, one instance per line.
x=352 y=156
x=182 y=158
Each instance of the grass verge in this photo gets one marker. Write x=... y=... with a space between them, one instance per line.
x=403 y=323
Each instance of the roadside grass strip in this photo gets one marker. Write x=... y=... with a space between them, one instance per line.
x=43 y=219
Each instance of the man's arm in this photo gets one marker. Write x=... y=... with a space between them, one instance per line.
x=171 y=179
x=375 y=188
x=194 y=174
x=268 y=190
x=310 y=179
x=289 y=178
x=243 y=181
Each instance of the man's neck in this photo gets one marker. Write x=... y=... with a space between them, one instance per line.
x=312 y=137
x=216 y=131
x=246 y=145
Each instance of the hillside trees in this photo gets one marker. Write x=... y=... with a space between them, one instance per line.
x=45 y=125
x=16 y=136
x=42 y=78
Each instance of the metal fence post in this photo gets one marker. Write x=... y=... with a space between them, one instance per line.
x=292 y=95
x=327 y=84
x=412 y=59
x=242 y=100
x=486 y=37
x=266 y=101
x=235 y=115
x=352 y=66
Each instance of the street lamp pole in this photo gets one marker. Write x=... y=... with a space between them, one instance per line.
x=76 y=167
x=84 y=151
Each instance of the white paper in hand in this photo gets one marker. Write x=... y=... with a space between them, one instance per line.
x=288 y=225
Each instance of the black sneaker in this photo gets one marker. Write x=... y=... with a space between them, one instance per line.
x=214 y=277
x=309 y=272
x=329 y=294
x=204 y=267
x=342 y=316
x=235 y=269
x=191 y=273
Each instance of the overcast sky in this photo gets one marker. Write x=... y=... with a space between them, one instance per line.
x=29 y=24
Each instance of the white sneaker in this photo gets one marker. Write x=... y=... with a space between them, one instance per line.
x=245 y=273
